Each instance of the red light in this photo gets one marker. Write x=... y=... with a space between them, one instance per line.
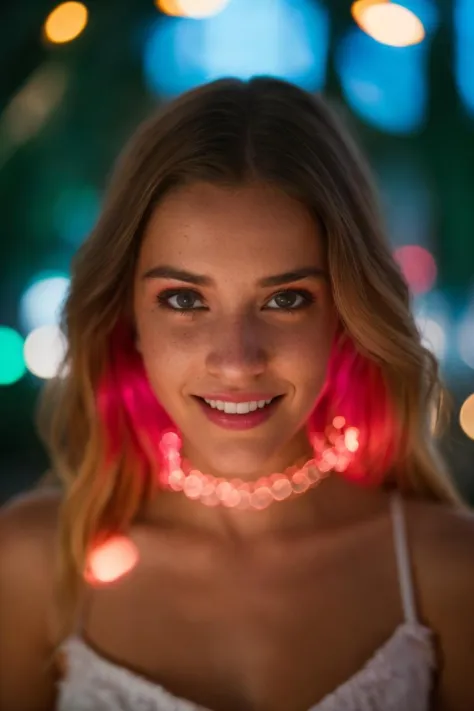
x=418 y=267
x=111 y=560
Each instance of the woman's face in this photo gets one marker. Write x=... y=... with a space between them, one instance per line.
x=229 y=325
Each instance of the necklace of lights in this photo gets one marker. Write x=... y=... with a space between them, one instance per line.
x=333 y=451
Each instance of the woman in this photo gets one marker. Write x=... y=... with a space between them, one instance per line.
x=254 y=515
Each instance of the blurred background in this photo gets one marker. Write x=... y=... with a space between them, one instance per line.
x=76 y=79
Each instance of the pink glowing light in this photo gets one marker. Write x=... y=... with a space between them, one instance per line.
x=111 y=561
x=352 y=439
x=170 y=442
x=418 y=267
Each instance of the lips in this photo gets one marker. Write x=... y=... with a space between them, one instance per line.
x=239 y=421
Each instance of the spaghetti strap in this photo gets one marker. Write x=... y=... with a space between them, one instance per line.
x=403 y=558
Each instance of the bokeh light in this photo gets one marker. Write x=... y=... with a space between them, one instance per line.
x=12 y=364
x=75 y=213
x=466 y=416
x=31 y=107
x=388 y=22
x=191 y=8
x=434 y=318
x=169 y=7
x=386 y=86
x=463 y=51
x=111 y=560
x=466 y=338
x=66 y=22
x=41 y=303
x=246 y=38
x=418 y=267
x=433 y=336
x=44 y=351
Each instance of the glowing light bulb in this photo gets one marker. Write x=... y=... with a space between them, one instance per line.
x=201 y=8
x=111 y=561
x=66 y=22
x=433 y=335
x=170 y=441
x=466 y=416
x=169 y=7
x=41 y=303
x=44 y=351
x=352 y=439
x=418 y=266
x=191 y=8
x=388 y=23
x=12 y=365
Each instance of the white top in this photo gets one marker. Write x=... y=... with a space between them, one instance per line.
x=398 y=677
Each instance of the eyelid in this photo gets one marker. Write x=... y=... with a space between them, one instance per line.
x=308 y=298
x=163 y=297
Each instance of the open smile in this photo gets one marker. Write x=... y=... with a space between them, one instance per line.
x=242 y=420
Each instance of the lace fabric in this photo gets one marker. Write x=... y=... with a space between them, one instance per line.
x=397 y=678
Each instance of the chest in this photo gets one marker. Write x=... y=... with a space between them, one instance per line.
x=274 y=629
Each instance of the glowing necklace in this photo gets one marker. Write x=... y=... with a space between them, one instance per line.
x=332 y=452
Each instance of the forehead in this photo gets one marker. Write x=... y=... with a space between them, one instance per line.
x=204 y=226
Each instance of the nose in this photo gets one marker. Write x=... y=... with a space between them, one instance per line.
x=238 y=350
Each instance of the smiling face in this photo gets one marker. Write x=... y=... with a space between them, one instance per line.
x=234 y=331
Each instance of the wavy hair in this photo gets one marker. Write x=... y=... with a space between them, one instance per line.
x=99 y=418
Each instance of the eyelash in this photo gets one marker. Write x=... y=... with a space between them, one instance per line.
x=163 y=300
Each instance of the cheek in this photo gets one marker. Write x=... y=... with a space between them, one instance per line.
x=304 y=355
x=167 y=354
x=307 y=355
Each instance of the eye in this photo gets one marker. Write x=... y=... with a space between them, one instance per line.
x=291 y=300
x=179 y=300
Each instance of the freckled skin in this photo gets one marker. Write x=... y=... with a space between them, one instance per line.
x=236 y=236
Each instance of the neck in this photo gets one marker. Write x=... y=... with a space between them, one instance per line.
x=331 y=506
x=175 y=511
x=245 y=505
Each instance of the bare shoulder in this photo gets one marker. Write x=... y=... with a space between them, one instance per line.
x=442 y=535
x=442 y=546
x=445 y=521
x=38 y=506
x=441 y=539
x=28 y=526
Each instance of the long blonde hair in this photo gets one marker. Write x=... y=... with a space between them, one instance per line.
x=95 y=416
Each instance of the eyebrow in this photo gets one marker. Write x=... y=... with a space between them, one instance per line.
x=168 y=272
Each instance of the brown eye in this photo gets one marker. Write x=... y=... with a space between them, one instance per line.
x=291 y=300
x=179 y=300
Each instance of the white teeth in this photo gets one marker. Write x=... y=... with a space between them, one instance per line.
x=240 y=408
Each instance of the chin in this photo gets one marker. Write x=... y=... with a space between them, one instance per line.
x=244 y=461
